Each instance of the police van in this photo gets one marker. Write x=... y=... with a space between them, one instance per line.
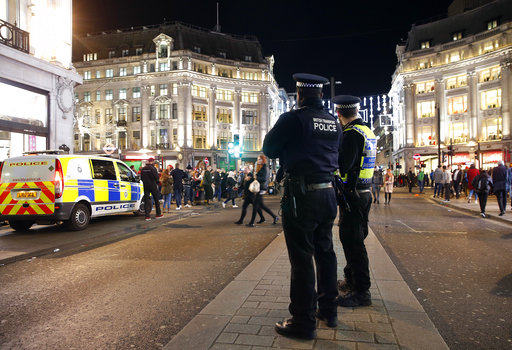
x=48 y=188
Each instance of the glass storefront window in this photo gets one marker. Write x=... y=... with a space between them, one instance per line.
x=10 y=143
x=491 y=129
x=457 y=81
x=493 y=73
x=425 y=86
x=426 y=109
x=426 y=136
x=490 y=99
x=458 y=132
x=457 y=105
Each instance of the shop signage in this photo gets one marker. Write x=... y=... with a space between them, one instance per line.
x=492 y=157
x=460 y=158
x=109 y=148
x=417 y=156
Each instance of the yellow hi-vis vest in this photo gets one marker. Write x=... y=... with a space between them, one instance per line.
x=369 y=154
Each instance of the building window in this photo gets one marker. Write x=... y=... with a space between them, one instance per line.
x=174 y=112
x=87 y=75
x=251 y=97
x=152 y=112
x=226 y=73
x=425 y=86
x=248 y=58
x=136 y=70
x=164 y=66
x=109 y=73
x=124 y=52
x=136 y=134
x=97 y=117
x=197 y=49
x=152 y=90
x=90 y=57
x=199 y=137
x=456 y=81
x=457 y=36
x=98 y=95
x=454 y=57
x=162 y=51
x=226 y=95
x=425 y=44
x=493 y=73
x=138 y=51
x=175 y=137
x=112 y=54
x=426 y=136
x=136 y=92
x=200 y=68
x=163 y=139
x=249 y=117
x=250 y=142
x=174 y=89
x=199 y=91
x=426 y=109
x=199 y=113
x=98 y=74
x=136 y=114
x=163 y=111
x=122 y=94
x=222 y=54
x=492 y=24
x=458 y=132
x=108 y=137
x=489 y=46
x=122 y=72
x=152 y=140
x=457 y=105
x=109 y=95
x=122 y=140
x=491 y=129
x=223 y=139
x=224 y=115
x=121 y=114
x=163 y=90
x=490 y=99
x=249 y=75
x=87 y=142
x=108 y=116
x=87 y=96
x=174 y=65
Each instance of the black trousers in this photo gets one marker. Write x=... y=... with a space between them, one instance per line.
x=501 y=196
x=353 y=231
x=258 y=206
x=248 y=200
x=309 y=236
x=482 y=200
x=151 y=189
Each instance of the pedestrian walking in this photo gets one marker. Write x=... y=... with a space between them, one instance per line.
x=500 y=182
x=421 y=180
x=472 y=173
x=447 y=183
x=376 y=184
x=216 y=184
x=432 y=182
x=438 y=180
x=410 y=179
x=187 y=187
x=262 y=176
x=458 y=176
x=207 y=185
x=306 y=141
x=149 y=177
x=167 y=183
x=482 y=184
x=356 y=164
x=389 y=180
x=178 y=175
x=230 y=188
x=248 y=196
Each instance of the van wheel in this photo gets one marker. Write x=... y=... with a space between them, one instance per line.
x=80 y=217
x=141 y=211
x=21 y=226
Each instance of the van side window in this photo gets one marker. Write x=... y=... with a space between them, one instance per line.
x=103 y=169
x=125 y=174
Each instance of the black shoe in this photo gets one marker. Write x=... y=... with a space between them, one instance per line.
x=502 y=213
x=331 y=321
x=354 y=299
x=239 y=222
x=250 y=225
x=344 y=287
x=290 y=329
x=261 y=221
x=276 y=219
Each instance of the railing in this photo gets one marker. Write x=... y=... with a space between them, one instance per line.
x=14 y=37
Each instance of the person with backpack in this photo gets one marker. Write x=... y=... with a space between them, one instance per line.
x=500 y=185
x=482 y=184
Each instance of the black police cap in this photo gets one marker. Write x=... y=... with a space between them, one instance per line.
x=306 y=80
x=346 y=101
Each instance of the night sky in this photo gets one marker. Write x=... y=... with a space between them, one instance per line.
x=354 y=42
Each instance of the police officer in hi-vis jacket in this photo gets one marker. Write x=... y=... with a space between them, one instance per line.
x=306 y=141
x=356 y=163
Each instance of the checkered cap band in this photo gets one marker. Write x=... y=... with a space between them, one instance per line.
x=309 y=85
x=353 y=105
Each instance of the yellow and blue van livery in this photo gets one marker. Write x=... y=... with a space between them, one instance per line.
x=50 y=188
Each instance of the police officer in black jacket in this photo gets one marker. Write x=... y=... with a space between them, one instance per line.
x=149 y=177
x=356 y=164
x=307 y=141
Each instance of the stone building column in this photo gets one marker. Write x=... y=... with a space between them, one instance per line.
x=409 y=114
x=212 y=117
x=263 y=122
x=506 y=90
x=474 y=122
x=440 y=100
x=184 y=114
x=145 y=91
x=237 y=113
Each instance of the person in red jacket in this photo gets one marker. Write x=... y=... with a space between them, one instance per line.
x=472 y=172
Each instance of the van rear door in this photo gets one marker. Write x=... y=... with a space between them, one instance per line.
x=27 y=186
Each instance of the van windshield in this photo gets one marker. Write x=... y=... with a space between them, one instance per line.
x=28 y=169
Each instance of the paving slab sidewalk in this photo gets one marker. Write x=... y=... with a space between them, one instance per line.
x=243 y=315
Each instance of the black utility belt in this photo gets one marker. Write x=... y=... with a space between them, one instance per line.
x=320 y=186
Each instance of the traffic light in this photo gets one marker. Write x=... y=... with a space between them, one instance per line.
x=450 y=151
x=236 y=139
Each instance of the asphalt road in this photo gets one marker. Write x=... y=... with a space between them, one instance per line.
x=134 y=293
x=459 y=266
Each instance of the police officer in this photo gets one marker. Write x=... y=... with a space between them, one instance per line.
x=149 y=177
x=307 y=141
x=356 y=163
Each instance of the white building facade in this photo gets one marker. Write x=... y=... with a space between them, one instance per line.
x=37 y=79
x=453 y=86
x=175 y=92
